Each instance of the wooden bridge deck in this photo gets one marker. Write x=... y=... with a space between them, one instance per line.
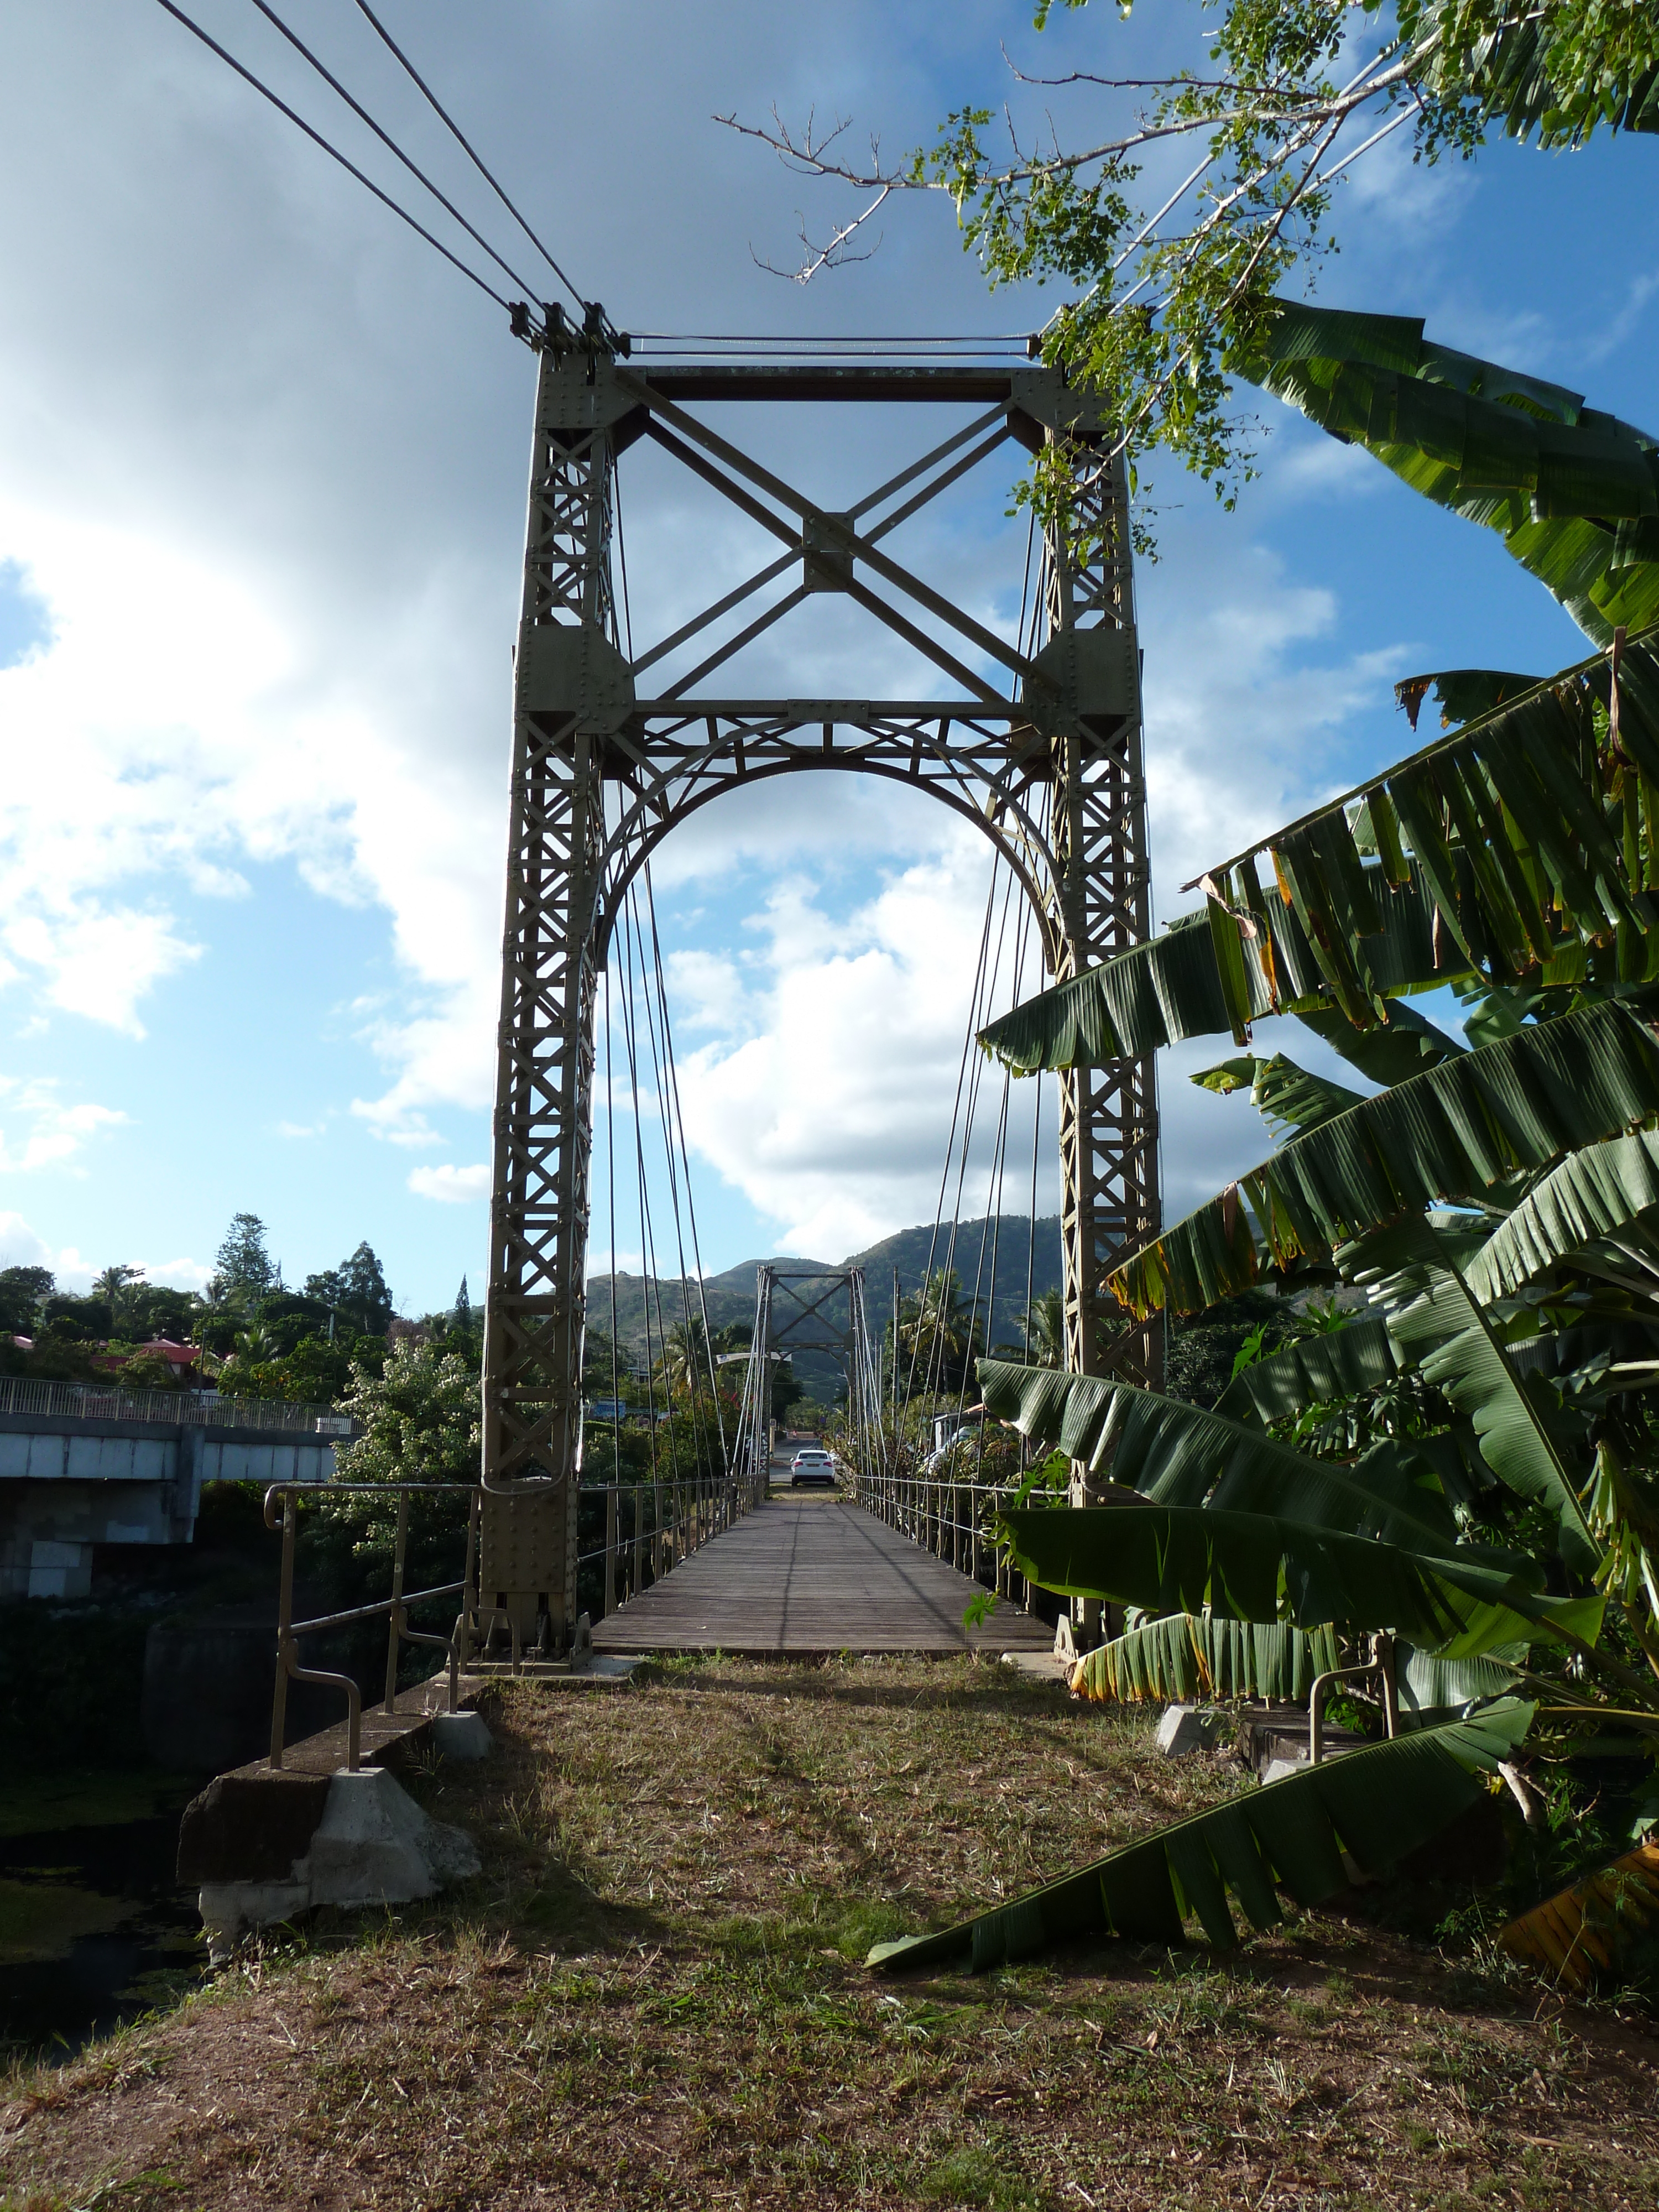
x=799 y=1578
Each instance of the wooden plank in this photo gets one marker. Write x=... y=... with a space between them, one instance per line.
x=798 y=1578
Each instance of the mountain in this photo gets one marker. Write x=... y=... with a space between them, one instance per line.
x=730 y=1297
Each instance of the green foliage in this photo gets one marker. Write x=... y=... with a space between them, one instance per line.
x=1200 y=1655
x=1458 y=1600
x=22 y=1290
x=1453 y=1133
x=1520 y=852
x=356 y=1289
x=83 y=1320
x=245 y=1266
x=420 y=1420
x=1570 y=490
x=1166 y=300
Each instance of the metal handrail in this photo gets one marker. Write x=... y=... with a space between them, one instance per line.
x=916 y=1504
x=95 y=1402
x=1381 y=1663
x=698 y=1506
x=396 y=1607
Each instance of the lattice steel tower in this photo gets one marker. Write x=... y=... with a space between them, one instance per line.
x=1045 y=760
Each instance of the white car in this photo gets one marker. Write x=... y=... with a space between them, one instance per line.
x=812 y=1465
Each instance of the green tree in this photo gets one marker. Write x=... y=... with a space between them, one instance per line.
x=357 y=1288
x=684 y=1363
x=1165 y=296
x=23 y=1293
x=939 y=1332
x=1044 y=1329
x=243 y=1263
x=117 y=1287
x=81 y=1320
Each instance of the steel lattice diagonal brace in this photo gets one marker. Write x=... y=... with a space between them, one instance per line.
x=1110 y=1195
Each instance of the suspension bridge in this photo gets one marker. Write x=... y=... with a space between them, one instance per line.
x=630 y=717
x=1035 y=738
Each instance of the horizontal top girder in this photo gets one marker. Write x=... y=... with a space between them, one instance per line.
x=822 y=380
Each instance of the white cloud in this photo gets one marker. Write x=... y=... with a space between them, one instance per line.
x=454 y=1186
x=22 y=1246
x=55 y=1133
x=301 y=1128
x=181 y=1274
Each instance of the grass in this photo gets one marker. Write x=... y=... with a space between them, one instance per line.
x=653 y=1996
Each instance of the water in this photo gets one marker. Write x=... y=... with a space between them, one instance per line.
x=94 y=1928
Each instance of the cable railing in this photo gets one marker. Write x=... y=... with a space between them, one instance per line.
x=950 y=1515
x=666 y=1520
x=97 y=1401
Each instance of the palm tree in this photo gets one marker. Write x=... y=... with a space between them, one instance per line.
x=940 y=1332
x=684 y=1364
x=1044 y=1329
x=258 y=1343
x=115 y=1286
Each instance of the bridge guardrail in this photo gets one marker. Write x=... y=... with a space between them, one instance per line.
x=950 y=1517
x=396 y=1606
x=95 y=1401
x=685 y=1514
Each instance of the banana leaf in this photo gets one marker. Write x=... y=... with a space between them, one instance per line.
x=1170 y=1452
x=1289 y=1098
x=1438 y=1320
x=1401 y=1047
x=1553 y=72
x=1524 y=849
x=1592 y=1923
x=1175 y=986
x=1262 y=1566
x=1370 y=1806
x=1313 y=1370
x=1452 y=1132
x=1194 y=1655
x=1567 y=486
x=1461 y=692
x=1592 y=1196
x=1432 y=1690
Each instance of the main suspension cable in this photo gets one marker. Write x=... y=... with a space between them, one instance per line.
x=334 y=153
x=388 y=141
x=448 y=120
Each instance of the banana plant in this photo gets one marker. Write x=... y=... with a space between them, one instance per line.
x=1309 y=1833
x=1521 y=852
x=1573 y=491
x=1494 y=1203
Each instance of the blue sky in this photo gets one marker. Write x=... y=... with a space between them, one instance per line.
x=261 y=504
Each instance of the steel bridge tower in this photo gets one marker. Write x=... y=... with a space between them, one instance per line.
x=1045 y=760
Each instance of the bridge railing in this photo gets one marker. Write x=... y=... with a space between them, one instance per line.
x=98 y=1402
x=948 y=1515
x=650 y=1526
x=662 y=1523
x=284 y=1499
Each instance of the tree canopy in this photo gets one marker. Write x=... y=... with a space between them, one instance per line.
x=1167 y=292
x=357 y=1288
x=243 y=1261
